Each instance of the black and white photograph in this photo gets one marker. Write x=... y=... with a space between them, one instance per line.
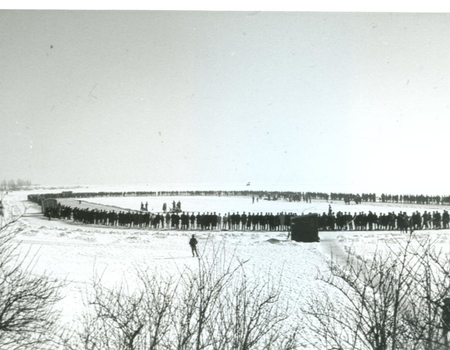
x=214 y=178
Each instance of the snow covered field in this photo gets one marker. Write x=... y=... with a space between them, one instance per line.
x=77 y=252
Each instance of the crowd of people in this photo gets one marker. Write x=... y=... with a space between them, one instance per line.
x=175 y=218
x=361 y=221
x=235 y=221
x=348 y=198
x=260 y=195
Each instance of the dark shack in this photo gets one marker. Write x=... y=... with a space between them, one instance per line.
x=48 y=203
x=305 y=228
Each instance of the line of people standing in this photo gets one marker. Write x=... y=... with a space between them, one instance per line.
x=174 y=220
x=236 y=221
x=384 y=221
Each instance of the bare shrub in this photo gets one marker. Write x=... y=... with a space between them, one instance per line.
x=392 y=300
x=212 y=306
x=28 y=318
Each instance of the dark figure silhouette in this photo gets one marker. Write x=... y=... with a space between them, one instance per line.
x=193 y=243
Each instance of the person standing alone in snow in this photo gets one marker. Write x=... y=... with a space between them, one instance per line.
x=193 y=243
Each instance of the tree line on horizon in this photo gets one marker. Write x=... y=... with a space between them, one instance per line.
x=14 y=185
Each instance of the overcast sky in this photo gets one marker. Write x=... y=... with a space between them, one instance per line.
x=309 y=101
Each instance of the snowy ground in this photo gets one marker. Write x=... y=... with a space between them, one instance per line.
x=76 y=252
